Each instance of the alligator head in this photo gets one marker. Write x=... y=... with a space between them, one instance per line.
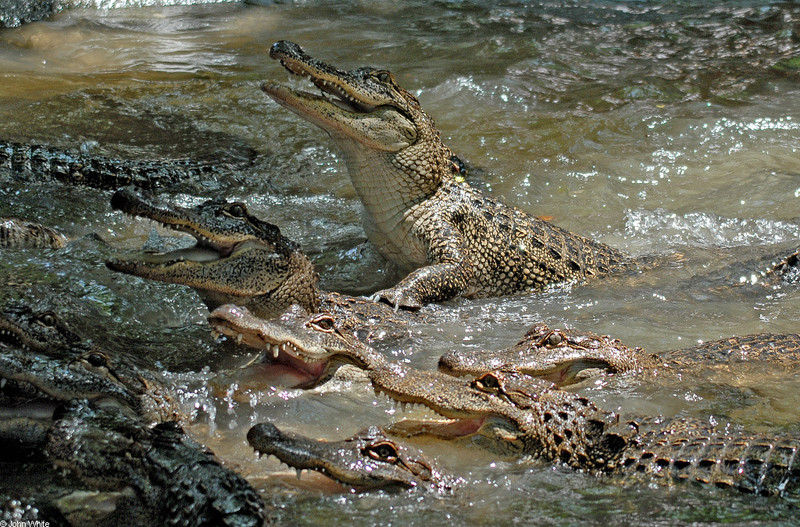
x=237 y=257
x=377 y=124
x=84 y=371
x=367 y=460
x=561 y=356
x=35 y=330
x=300 y=350
x=510 y=414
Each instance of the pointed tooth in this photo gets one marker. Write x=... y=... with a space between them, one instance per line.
x=239 y=338
x=215 y=334
x=3 y=382
x=276 y=350
x=299 y=472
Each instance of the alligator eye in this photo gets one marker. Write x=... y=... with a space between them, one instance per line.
x=323 y=323
x=237 y=210
x=384 y=76
x=98 y=360
x=47 y=319
x=383 y=451
x=488 y=382
x=554 y=339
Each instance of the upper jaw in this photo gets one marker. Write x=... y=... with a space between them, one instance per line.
x=330 y=80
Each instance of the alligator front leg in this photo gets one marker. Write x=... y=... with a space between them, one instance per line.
x=448 y=277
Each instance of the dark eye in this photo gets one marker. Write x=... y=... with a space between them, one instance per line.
x=554 y=339
x=384 y=76
x=488 y=382
x=323 y=323
x=98 y=360
x=237 y=210
x=47 y=319
x=383 y=451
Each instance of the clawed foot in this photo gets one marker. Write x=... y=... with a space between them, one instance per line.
x=397 y=298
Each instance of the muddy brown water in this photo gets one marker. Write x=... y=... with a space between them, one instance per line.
x=658 y=128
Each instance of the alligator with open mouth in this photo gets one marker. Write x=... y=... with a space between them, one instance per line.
x=240 y=259
x=418 y=210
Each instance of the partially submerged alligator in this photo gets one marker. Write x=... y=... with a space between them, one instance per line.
x=300 y=350
x=18 y=234
x=42 y=353
x=367 y=460
x=568 y=356
x=54 y=164
x=146 y=475
x=522 y=416
x=36 y=330
x=242 y=260
x=419 y=213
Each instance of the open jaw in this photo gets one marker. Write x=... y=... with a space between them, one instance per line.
x=285 y=359
x=363 y=105
x=325 y=77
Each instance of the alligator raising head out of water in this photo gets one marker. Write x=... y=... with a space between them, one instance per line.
x=418 y=212
x=242 y=260
x=367 y=460
x=522 y=416
x=569 y=356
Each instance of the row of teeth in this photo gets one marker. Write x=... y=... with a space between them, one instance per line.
x=299 y=471
x=275 y=349
x=325 y=83
x=201 y=239
x=12 y=336
x=380 y=393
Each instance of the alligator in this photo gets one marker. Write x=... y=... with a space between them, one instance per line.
x=300 y=350
x=243 y=260
x=418 y=211
x=367 y=460
x=568 y=356
x=35 y=330
x=527 y=417
x=145 y=475
x=82 y=370
x=19 y=234
x=54 y=164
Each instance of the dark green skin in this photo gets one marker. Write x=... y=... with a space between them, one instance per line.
x=367 y=460
x=35 y=329
x=54 y=164
x=523 y=416
x=242 y=260
x=237 y=257
x=568 y=356
x=160 y=476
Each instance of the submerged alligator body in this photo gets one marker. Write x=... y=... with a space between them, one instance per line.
x=53 y=164
x=523 y=416
x=242 y=260
x=367 y=460
x=142 y=475
x=419 y=213
x=19 y=234
x=569 y=356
